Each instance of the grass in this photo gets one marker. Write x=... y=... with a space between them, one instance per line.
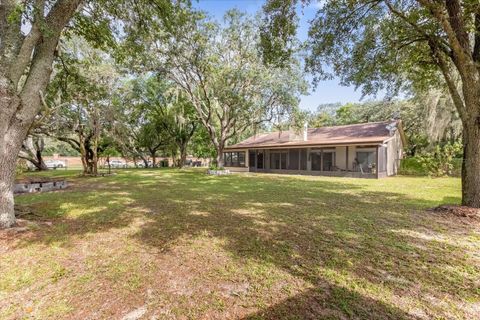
x=184 y=245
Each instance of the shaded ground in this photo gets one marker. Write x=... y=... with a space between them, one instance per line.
x=166 y=244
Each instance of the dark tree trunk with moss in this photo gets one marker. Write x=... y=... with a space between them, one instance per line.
x=471 y=165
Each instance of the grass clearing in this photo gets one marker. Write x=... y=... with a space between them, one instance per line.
x=183 y=245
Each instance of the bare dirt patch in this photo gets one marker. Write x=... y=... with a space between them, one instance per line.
x=458 y=211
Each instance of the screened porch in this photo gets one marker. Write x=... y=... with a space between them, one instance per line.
x=348 y=161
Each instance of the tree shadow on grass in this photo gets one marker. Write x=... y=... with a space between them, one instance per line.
x=330 y=302
x=321 y=232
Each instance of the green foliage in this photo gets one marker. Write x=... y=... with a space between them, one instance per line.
x=278 y=31
x=60 y=148
x=15 y=15
x=412 y=166
x=21 y=166
x=369 y=47
x=201 y=145
x=441 y=161
x=137 y=128
x=216 y=167
x=231 y=90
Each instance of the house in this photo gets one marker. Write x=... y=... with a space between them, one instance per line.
x=367 y=150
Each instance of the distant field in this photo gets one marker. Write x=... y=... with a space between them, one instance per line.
x=178 y=244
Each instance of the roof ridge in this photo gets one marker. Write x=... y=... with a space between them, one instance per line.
x=315 y=128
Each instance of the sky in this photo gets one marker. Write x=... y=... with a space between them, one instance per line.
x=327 y=91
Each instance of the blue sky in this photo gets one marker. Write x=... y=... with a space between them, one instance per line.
x=326 y=91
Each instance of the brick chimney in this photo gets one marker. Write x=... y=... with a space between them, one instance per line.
x=305 y=131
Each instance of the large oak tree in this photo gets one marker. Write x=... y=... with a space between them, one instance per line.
x=25 y=66
x=29 y=33
x=221 y=71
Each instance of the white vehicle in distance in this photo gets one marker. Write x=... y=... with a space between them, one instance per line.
x=54 y=164
x=116 y=164
x=141 y=164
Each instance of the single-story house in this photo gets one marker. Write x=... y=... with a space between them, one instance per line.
x=367 y=150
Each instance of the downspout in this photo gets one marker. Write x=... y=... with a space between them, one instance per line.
x=346 y=159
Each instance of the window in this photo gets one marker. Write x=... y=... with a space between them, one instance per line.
x=234 y=159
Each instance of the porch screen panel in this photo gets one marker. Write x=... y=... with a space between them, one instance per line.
x=283 y=160
x=316 y=158
x=227 y=158
x=328 y=161
x=303 y=159
x=260 y=159
x=241 y=159
x=274 y=160
x=382 y=159
x=293 y=159
x=251 y=158
x=278 y=160
x=234 y=159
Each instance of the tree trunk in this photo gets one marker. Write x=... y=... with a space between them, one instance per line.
x=471 y=164
x=12 y=134
x=95 y=162
x=95 y=156
x=41 y=166
x=154 y=159
x=8 y=159
x=183 y=156
x=20 y=101
x=220 y=160
x=109 y=166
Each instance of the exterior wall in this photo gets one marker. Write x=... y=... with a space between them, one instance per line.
x=341 y=157
x=394 y=154
x=238 y=169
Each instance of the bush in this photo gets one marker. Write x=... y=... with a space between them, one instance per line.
x=442 y=161
x=412 y=166
x=215 y=167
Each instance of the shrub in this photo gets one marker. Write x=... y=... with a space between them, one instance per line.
x=215 y=167
x=412 y=166
x=442 y=161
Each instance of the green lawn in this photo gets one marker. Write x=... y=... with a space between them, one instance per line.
x=173 y=244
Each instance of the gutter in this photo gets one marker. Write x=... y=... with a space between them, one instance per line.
x=299 y=146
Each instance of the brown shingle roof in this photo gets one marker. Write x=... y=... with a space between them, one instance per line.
x=373 y=132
